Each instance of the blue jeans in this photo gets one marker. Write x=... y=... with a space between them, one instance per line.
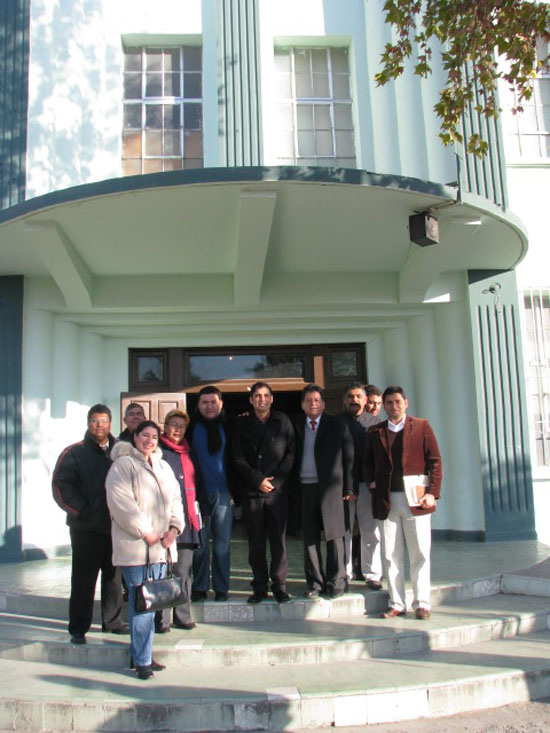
x=142 y=624
x=218 y=527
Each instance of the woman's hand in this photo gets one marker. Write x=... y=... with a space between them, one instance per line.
x=169 y=537
x=152 y=538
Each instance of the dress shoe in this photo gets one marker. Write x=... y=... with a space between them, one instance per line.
x=78 y=639
x=313 y=593
x=374 y=585
x=257 y=597
x=155 y=666
x=392 y=613
x=120 y=629
x=336 y=593
x=281 y=596
x=145 y=672
x=162 y=629
x=187 y=626
x=221 y=596
x=198 y=595
x=422 y=614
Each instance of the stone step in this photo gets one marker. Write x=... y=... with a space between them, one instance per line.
x=280 y=697
x=285 y=641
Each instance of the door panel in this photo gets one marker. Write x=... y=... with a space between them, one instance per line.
x=155 y=405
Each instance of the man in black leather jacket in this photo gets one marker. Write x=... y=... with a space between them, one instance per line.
x=78 y=485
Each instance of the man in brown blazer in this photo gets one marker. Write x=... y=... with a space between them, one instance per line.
x=399 y=447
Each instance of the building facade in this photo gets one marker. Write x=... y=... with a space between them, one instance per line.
x=216 y=191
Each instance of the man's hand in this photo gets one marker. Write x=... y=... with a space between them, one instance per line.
x=266 y=487
x=427 y=501
x=152 y=538
x=350 y=497
x=169 y=537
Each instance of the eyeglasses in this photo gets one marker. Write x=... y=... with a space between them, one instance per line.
x=100 y=421
x=176 y=426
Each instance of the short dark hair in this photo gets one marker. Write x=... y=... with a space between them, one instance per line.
x=210 y=389
x=99 y=409
x=312 y=388
x=394 y=389
x=371 y=389
x=131 y=406
x=147 y=424
x=354 y=385
x=260 y=385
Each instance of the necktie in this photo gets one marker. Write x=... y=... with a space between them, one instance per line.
x=313 y=424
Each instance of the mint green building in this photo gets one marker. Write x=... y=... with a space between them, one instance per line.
x=216 y=191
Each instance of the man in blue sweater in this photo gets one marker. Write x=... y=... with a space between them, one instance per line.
x=209 y=437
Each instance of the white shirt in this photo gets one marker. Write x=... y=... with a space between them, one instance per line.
x=398 y=426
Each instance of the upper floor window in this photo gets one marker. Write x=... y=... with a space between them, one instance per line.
x=527 y=133
x=314 y=113
x=537 y=331
x=162 y=122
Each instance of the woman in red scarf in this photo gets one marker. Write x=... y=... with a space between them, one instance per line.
x=177 y=453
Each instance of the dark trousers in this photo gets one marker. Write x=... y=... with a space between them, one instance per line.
x=266 y=517
x=92 y=552
x=183 y=569
x=312 y=525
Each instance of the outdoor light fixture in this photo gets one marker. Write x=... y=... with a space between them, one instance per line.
x=423 y=229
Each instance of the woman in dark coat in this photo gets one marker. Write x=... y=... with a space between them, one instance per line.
x=177 y=452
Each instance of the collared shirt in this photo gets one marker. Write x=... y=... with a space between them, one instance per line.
x=398 y=426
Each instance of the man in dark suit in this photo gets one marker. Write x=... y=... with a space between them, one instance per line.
x=323 y=467
x=263 y=456
x=399 y=450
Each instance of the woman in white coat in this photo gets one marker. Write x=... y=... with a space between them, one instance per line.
x=144 y=500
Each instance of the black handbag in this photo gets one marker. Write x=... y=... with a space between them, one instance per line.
x=155 y=595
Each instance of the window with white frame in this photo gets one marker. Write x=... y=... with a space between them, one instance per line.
x=527 y=133
x=314 y=107
x=162 y=119
x=537 y=321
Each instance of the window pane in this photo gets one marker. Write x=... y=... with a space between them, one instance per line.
x=322 y=117
x=339 y=59
x=323 y=143
x=319 y=61
x=321 y=85
x=193 y=163
x=175 y=164
x=132 y=59
x=211 y=368
x=301 y=62
x=172 y=60
x=192 y=115
x=153 y=60
x=131 y=167
x=172 y=116
x=192 y=86
x=193 y=144
x=344 y=364
x=304 y=115
x=132 y=116
x=306 y=143
x=132 y=86
x=304 y=85
x=342 y=117
x=192 y=58
x=344 y=144
x=131 y=144
x=150 y=369
x=341 y=86
x=172 y=143
x=152 y=165
x=172 y=84
x=153 y=143
x=153 y=85
x=153 y=116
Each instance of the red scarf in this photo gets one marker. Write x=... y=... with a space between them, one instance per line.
x=182 y=449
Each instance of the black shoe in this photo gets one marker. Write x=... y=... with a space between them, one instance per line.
x=221 y=596
x=281 y=596
x=155 y=666
x=78 y=639
x=120 y=629
x=313 y=593
x=198 y=595
x=162 y=629
x=257 y=597
x=145 y=672
x=336 y=593
x=374 y=585
x=188 y=626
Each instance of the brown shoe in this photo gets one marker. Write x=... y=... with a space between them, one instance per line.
x=392 y=613
x=374 y=585
x=422 y=614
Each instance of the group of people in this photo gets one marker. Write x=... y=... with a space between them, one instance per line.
x=132 y=501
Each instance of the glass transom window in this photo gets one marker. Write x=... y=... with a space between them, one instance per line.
x=314 y=108
x=527 y=133
x=162 y=117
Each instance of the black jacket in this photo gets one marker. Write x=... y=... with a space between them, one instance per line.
x=78 y=484
x=263 y=449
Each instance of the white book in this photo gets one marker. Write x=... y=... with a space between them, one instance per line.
x=415 y=488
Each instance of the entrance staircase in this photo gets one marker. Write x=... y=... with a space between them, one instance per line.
x=296 y=666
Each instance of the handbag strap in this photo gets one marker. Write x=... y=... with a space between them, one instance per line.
x=169 y=564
